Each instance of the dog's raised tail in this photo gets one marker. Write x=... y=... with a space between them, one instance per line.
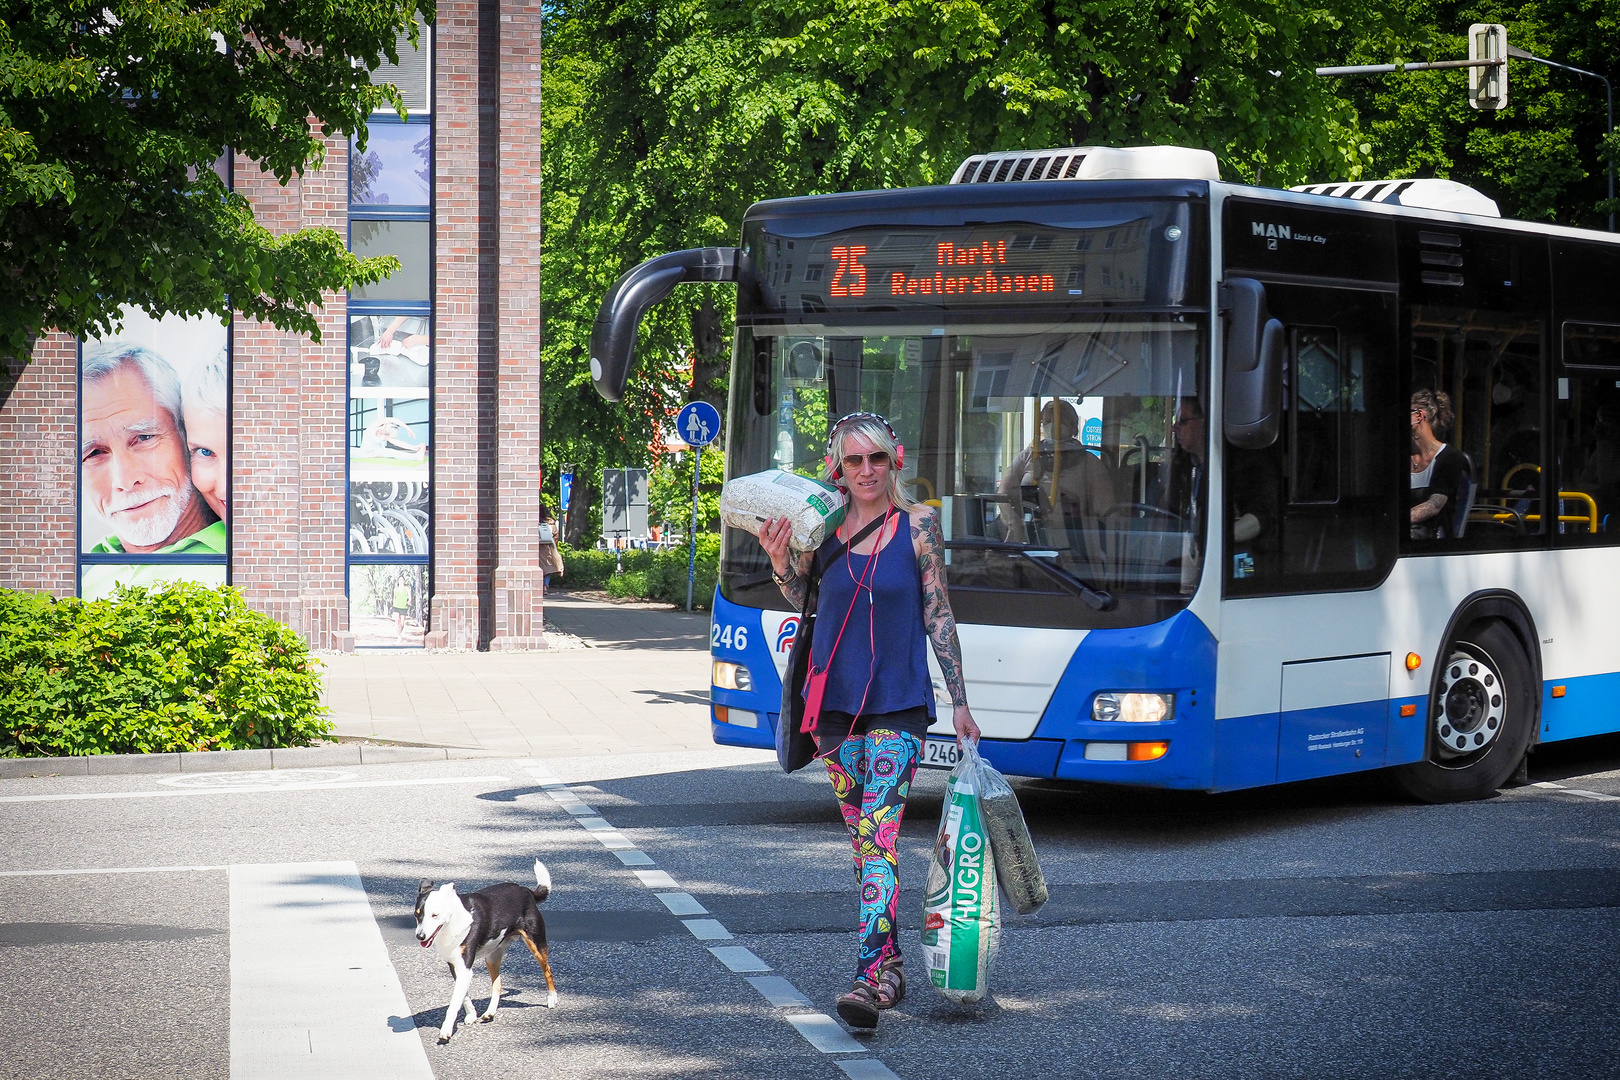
x=542 y=882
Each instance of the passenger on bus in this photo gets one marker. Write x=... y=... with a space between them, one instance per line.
x=1063 y=487
x=1438 y=469
x=1600 y=478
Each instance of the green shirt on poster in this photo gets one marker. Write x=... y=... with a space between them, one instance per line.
x=99 y=580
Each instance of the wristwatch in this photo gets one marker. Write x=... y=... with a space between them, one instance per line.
x=783 y=579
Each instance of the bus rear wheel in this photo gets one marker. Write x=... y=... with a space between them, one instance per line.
x=1481 y=717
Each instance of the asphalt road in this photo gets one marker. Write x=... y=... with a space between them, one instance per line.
x=1318 y=930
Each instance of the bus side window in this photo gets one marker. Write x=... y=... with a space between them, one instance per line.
x=1588 y=412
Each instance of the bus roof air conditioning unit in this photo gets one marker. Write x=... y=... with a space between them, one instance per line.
x=1425 y=194
x=1089 y=163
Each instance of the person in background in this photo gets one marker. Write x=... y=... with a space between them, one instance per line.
x=203 y=404
x=879 y=701
x=1437 y=469
x=551 y=561
x=1072 y=488
x=402 y=604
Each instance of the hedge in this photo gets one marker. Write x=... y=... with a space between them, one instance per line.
x=179 y=667
x=648 y=575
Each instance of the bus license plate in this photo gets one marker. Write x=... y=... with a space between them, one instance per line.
x=941 y=753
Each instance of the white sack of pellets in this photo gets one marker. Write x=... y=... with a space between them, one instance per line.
x=961 y=915
x=814 y=508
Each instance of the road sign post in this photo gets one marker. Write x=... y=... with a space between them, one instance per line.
x=698 y=424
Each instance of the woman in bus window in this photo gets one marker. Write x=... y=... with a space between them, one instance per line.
x=1437 y=468
x=879 y=702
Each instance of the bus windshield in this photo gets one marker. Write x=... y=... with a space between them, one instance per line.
x=1066 y=458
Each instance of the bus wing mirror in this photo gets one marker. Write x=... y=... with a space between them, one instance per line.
x=613 y=338
x=1254 y=366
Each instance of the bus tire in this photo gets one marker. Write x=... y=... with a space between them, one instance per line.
x=1481 y=718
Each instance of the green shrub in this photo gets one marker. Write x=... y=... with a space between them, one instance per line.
x=666 y=580
x=588 y=568
x=631 y=583
x=181 y=667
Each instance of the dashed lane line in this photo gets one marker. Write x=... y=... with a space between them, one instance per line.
x=192 y=793
x=818 y=1029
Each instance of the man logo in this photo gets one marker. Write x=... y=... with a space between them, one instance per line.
x=785 y=635
x=1272 y=233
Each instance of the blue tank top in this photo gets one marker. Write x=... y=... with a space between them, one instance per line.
x=898 y=675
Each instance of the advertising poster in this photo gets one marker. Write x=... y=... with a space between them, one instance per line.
x=388 y=435
x=387 y=605
x=154 y=454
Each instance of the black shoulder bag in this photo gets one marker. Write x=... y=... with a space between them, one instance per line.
x=795 y=748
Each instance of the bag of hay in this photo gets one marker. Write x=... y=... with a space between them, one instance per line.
x=961 y=916
x=1017 y=869
x=813 y=507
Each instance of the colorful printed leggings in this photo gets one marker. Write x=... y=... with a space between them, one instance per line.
x=871 y=775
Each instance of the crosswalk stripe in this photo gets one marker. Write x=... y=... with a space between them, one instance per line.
x=313 y=991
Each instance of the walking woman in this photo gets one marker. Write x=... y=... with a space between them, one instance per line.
x=877 y=606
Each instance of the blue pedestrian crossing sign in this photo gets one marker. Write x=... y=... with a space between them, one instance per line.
x=698 y=423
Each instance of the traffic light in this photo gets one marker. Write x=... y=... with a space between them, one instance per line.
x=1488 y=86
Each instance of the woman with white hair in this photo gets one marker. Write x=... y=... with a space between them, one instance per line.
x=877 y=606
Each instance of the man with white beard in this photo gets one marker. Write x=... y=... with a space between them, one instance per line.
x=134 y=463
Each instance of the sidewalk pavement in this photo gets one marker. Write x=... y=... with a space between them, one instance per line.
x=641 y=685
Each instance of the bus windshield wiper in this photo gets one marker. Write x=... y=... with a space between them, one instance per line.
x=1044 y=559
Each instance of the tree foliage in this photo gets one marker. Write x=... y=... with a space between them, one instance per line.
x=111 y=115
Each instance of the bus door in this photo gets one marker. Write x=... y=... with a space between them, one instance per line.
x=1310 y=528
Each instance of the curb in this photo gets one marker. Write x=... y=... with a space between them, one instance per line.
x=294 y=757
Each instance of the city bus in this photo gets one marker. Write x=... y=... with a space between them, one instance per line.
x=1167 y=421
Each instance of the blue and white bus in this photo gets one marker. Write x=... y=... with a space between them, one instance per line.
x=1166 y=421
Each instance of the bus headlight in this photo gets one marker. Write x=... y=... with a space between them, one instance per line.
x=1134 y=708
x=729 y=676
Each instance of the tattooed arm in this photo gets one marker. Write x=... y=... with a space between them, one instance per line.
x=794 y=583
x=928 y=540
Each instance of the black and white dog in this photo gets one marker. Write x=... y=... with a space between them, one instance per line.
x=479 y=926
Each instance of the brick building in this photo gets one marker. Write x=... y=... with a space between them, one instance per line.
x=382 y=486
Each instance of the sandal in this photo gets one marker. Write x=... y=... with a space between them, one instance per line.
x=891 y=983
x=859 y=1007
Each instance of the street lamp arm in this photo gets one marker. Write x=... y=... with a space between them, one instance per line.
x=1608 y=93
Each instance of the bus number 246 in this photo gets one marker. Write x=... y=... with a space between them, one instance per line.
x=730 y=637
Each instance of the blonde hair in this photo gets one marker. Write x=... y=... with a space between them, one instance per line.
x=875 y=432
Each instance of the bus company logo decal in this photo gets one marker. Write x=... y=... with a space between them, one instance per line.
x=786 y=633
x=1274 y=233
x=1336 y=740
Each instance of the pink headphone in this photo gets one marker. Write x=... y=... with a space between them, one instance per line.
x=899 y=448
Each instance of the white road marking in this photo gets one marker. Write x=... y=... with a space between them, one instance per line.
x=98 y=870
x=264 y=777
x=707 y=929
x=175 y=794
x=313 y=992
x=824 y=1033
x=1598 y=795
x=866 y=1069
x=634 y=857
x=777 y=990
x=739 y=959
x=1548 y=784
x=680 y=903
x=656 y=879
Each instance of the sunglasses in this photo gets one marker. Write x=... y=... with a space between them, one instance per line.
x=878 y=458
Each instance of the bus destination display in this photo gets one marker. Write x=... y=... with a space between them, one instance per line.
x=873 y=268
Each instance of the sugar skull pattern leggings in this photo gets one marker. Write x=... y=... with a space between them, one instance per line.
x=871 y=775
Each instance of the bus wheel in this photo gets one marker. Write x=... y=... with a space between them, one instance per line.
x=1480 y=718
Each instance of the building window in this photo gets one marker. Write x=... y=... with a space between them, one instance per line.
x=390 y=343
